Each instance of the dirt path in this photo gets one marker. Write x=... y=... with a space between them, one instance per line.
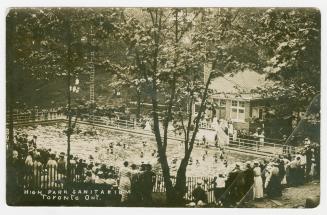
x=292 y=197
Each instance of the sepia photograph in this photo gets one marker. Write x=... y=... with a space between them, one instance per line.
x=163 y=107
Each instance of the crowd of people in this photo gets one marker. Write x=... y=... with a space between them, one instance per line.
x=135 y=181
x=265 y=177
x=28 y=162
x=41 y=168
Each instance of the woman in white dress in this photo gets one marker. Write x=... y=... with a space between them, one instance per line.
x=286 y=162
x=258 y=185
x=125 y=182
x=148 y=126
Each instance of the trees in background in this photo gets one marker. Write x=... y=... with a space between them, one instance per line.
x=168 y=51
x=290 y=41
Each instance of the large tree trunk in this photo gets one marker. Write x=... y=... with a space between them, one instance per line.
x=180 y=185
x=170 y=193
x=138 y=105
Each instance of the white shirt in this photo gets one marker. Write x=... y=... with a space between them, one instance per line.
x=220 y=182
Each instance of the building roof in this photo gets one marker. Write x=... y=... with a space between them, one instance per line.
x=241 y=82
x=237 y=96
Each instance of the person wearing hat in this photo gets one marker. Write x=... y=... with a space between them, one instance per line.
x=273 y=182
x=307 y=141
x=199 y=195
x=80 y=167
x=52 y=161
x=89 y=179
x=29 y=159
x=282 y=172
x=125 y=182
x=248 y=177
x=294 y=169
x=237 y=166
x=44 y=154
x=62 y=163
x=147 y=181
x=220 y=184
x=233 y=182
x=240 y=184
x=15 y=172
x=100 y=179
x=34 y=141
x=52 y=167
x=37 y=168
x=72 y=161
x=309 y=158
x=257 y=182
x=136 y=195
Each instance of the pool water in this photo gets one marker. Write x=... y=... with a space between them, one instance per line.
x=129 y=147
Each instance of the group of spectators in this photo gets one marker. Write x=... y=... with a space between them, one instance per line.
x=253 y=179
x=31 y=166
x=36 y=165
x=136 y=184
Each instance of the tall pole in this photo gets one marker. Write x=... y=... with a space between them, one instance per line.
x=92 y=76
x=69 y=68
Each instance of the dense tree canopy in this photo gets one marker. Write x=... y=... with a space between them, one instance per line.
x=291 y=41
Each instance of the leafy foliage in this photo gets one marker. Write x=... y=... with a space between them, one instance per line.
x=291 y=39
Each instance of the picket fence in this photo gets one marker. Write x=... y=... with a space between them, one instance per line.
x=38 y=177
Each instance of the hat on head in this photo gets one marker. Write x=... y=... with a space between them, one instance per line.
x=192 y=204
x=100 y=173
x=62 y=154
x=199 y=182
x=201 y=203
